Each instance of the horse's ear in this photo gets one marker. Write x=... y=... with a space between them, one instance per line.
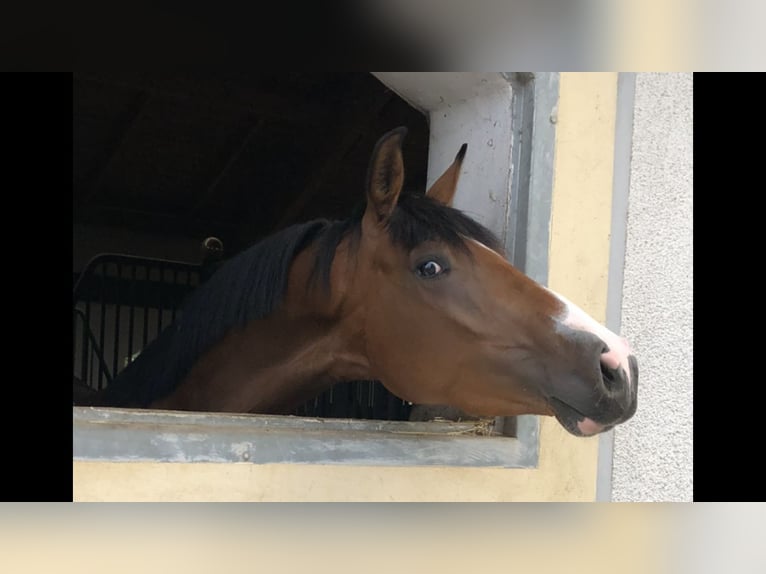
x=385 y=176
x=443 y=189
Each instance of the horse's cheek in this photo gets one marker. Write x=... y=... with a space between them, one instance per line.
x=404 y=353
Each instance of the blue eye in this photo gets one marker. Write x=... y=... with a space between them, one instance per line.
x=430 y=269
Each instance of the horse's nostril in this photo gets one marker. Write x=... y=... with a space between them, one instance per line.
x=609 y=376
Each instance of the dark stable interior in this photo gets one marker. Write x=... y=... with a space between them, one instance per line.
x=161 y=163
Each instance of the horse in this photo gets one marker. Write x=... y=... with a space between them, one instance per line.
x=408 y=291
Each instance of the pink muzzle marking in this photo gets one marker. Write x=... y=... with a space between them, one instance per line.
x=614 y=357
x=589 y=427
x=619 y=349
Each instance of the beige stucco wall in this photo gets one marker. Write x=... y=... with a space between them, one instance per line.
x=653 y=451
x=153 y=539
x=578 y=268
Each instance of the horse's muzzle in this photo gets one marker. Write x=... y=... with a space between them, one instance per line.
x=617 y=405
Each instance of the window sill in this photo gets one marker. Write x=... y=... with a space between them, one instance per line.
x=120 y=435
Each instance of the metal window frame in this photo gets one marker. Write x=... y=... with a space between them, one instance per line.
x=104 y=434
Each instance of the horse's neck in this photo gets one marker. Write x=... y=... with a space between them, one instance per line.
x=277 y=363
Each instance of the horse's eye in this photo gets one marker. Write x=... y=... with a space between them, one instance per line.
x=429 y=269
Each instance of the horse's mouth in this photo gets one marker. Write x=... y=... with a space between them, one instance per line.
x=574 y=421
x=613 y=410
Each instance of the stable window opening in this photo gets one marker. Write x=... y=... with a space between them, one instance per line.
x=161 y=164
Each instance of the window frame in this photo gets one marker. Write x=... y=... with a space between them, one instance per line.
x=509 y=119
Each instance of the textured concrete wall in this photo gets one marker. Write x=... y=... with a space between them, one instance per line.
x=653 y=452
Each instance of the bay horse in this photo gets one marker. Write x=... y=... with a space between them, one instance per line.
x=408 y=291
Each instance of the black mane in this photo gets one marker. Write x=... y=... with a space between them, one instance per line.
x=251 y=285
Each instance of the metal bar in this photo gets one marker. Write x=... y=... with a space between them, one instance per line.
x=523 y=108
x=93 y=369
x=84 y=370
x=359 y=401
x=175 y=301
x=103 y=367
x=117 y=302
x=160 y=286
x=146 y=311
x=131 y=314
x=102 y=322
x=379 y=405
x=74 y=349
x=94 y=263
x=540 y=177
x=370 y=394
